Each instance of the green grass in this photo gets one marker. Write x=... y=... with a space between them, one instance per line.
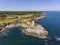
x=6 y=21
x=28 y=17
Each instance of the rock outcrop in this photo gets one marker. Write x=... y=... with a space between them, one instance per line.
x=36 y=31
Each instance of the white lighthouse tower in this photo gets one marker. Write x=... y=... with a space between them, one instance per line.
x=33 y=23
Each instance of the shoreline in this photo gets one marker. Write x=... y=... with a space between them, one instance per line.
x=39 y=32
x=40 y=17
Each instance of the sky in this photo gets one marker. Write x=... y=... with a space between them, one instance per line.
x=29 y=5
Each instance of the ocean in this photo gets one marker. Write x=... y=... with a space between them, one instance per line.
x=51 y=23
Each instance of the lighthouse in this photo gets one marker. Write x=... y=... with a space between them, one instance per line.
x=33 y=23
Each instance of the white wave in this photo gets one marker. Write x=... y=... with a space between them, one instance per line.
x=57 y=38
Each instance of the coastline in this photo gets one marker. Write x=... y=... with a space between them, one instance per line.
x=42 y=17
x=36 y=30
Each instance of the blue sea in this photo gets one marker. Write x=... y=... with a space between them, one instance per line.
x=51 y=23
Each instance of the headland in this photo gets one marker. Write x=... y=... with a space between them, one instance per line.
x=27 y=22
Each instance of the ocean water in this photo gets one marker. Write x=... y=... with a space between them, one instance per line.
x=51 y=23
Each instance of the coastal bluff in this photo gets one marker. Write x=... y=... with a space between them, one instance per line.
x=31 y=29
x=35 y=29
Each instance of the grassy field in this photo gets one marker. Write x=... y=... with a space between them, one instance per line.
x=25 y=17
x=6 y=21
